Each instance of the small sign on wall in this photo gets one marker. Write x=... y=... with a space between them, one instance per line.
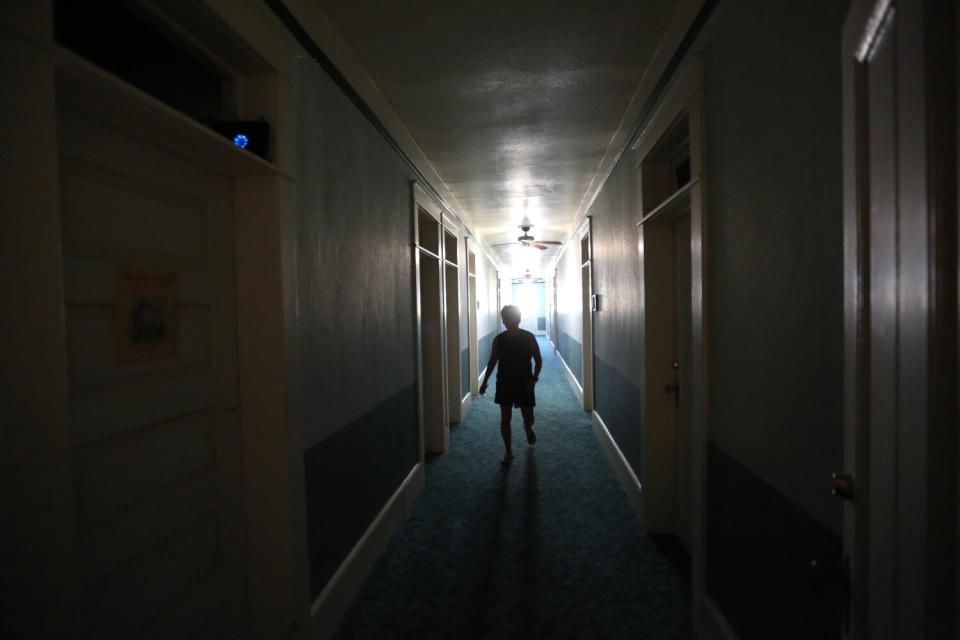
x=145 y=314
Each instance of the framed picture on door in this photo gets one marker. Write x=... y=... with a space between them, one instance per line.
x=145 y=314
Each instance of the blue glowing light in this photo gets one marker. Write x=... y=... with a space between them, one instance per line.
x=241 y=140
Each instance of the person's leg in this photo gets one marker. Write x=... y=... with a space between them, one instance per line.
x=506 y=413
x=528 y=423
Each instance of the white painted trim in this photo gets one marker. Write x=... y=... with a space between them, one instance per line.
x=480 y=377
x=683 y=87
x=710 y=623
x=572 y=379
x=330 y=606
x=465 y=405
x=423 y=199
x=628 y=479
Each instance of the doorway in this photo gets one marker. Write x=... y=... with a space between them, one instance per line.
x=668 y=477
x=473 y=306
x=530 y=297
x=452 y=318
x=587 y=302
x=434 y=434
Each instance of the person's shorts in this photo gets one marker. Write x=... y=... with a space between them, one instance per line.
x=517 y=394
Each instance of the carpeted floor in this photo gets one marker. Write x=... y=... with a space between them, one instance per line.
x=547 y=547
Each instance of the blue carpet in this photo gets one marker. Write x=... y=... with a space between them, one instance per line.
x=546 y=547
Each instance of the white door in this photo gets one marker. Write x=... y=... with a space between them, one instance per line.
x=586 y=290
x=683 y=369
x=149 y=295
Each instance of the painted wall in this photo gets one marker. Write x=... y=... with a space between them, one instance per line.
x=548 y=296
x=488 y=315
x=570 y=309
x=356 y=330
x=775 y=307
x=774 y=311
x=618 y=326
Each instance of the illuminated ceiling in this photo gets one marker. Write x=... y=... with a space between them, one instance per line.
x=514 y=103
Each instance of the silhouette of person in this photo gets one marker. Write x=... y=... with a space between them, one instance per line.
x=513 y=349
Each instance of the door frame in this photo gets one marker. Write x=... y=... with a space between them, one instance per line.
x=452 y=360
x=915 y=521
x=587 y=308
x=685 y=94
x=473 y=304
x=421 y=200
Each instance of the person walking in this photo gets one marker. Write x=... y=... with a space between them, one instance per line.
x=511 y=353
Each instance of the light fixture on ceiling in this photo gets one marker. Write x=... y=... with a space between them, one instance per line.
x=527 y=240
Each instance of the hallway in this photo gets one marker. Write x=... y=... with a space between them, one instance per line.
x=547 y=547
x=258 y=253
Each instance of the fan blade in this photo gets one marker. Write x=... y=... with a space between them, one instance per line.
x=556 y=242
x=538 y=245
x=505 y=244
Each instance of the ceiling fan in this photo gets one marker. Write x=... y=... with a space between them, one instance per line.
x=527 y=240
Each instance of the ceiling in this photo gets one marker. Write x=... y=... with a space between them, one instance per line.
x=514 y=103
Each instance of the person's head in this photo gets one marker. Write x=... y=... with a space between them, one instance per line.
x=510 y=315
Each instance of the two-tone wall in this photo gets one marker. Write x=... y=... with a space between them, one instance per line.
x=618 y=330
x=356 y=334
x=774 y=313
x=356 y=320
x=775 y=287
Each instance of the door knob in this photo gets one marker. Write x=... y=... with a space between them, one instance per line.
x=842 y=484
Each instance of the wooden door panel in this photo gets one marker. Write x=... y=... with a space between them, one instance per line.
x=116 y=213
x=149 y=462
x=158 y=578
x=156 y=443
x=111 y=543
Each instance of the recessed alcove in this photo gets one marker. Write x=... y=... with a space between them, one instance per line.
x=136 y=46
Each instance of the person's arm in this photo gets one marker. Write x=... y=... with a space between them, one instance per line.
x=494 y=356
x=537 y=359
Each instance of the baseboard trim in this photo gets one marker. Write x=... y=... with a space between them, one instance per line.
x=465 y=404
x=710 y=623
x=628 y=479
x=330 y=606
x=572 y=379
x=480 y=377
